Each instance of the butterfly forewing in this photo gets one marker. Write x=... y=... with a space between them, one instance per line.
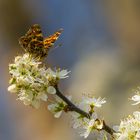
x=49 y=41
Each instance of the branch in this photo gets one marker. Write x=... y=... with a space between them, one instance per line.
x=107 y=128
x=73 y=107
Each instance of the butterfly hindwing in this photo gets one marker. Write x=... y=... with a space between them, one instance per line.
x=32 y=42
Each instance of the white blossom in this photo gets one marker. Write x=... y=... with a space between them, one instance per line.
x=55 y=109
x=129 y=128
x=58 y=74
x=95 y=102
x=58 y=107
x=12 y=88
x=78 y=120
x=87 y=125
x=88 y=103
x=62 y=74
x=91 y=125
x=136 y=97
x=88 y=128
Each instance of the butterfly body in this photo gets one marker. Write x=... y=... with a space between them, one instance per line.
x=34 y=43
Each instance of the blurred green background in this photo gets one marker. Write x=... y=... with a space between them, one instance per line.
x=101 y=48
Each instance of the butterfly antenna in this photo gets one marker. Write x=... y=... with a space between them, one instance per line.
x=55 y=47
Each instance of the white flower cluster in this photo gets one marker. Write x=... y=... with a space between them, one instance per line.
x=32 y=81
x=129 y=128
x=88 y=104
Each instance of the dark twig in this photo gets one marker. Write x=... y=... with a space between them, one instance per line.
x=72 y=107
x=107 y=128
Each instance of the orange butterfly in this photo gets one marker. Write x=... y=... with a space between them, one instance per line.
x=34 y=43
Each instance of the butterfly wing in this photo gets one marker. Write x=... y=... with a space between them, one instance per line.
x=49 y=41
x=32 y=42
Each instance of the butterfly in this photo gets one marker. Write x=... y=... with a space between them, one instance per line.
x=34 y=43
